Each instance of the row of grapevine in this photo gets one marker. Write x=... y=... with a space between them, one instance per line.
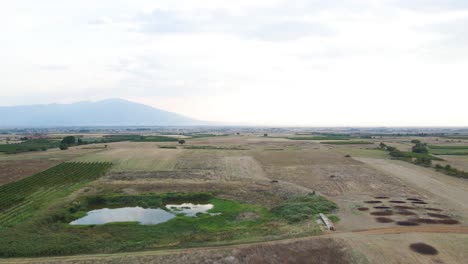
x=20 y=199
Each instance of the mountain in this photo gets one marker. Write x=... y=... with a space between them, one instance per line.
x=111 y=112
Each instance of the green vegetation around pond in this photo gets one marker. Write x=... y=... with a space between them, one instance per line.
x=227 y=222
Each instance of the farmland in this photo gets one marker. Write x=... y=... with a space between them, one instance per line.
x=266 y=192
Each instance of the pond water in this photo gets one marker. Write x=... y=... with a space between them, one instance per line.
x=142 y=215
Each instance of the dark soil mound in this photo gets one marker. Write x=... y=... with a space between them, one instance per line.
x=396 y=201
x=414 y=199
x=373 y=202
x=424 y=220
x=448 y=222
x=381 y=197
x=419 y=202
x=434 y=209
x=384 y=220
x=384 y=213
x=404 y=212
x=363 y=209
x=438 y=215
x=403 y=207
x=423 y=248
x=381 y=207
x=407 y=223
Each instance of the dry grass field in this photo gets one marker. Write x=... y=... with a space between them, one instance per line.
x=265 y=171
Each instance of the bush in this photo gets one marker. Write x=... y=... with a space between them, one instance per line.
x=304 y=207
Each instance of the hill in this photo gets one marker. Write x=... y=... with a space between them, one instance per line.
x=111 y=112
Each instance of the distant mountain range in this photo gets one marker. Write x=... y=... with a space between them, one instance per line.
x=111 y=112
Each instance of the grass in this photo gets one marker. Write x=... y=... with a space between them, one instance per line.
x=347 y=142
x=29 y=145
x=214 y=147
x=328 y=137
x=304 y=207
x=49 y=234
x=22 y=199
x=448 y=150
x=134 y=138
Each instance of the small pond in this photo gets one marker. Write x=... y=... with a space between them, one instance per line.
x=145 y=216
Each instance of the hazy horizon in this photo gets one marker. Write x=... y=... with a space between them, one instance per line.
x=283 y=63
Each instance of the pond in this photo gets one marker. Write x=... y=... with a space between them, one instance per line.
x=145 y=216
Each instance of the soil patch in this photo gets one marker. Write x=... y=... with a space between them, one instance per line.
x=384 y=213
x=407 y=223
x=448 y=221
x=381 y=197
x=404 y=212
x=419 y=202
x=363 y=209
x=404 y=207
x=438 y=215
x=373 y=202
x=398 y=202
x=423 y=220
x=414 y=199
x=384 y=220
x=434 y=209
x=424 y=249
x=381 y=207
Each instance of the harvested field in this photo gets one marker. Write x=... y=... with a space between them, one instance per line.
x=135 y=156
x=16 y=170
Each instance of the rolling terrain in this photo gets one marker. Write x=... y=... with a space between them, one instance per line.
x=376 y=198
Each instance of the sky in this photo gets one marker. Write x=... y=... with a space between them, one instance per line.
x=263 y=62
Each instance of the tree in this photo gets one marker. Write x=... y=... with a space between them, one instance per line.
x=80 y=141
x=63 y=146
x=420 y=148
x=68 y=140
x=181 y=141
x=265 y=135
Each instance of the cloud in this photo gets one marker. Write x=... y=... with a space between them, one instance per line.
x=431 y=5
x=270 y=24
x=53 y=67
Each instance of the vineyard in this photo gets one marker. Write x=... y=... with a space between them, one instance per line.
x=19 y=200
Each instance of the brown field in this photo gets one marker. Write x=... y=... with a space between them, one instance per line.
x=15 y=170
x=270 y=170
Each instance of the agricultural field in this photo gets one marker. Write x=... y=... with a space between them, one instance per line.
x=263 y=195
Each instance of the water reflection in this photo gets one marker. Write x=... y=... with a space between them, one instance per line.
x=189 y=209
x=141 y=215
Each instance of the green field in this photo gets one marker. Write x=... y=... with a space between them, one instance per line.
x=448 y=150
x=29 y=145
x=347 y=142
x=328 y=137
x=22 y=199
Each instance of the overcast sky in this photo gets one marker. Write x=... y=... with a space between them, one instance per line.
x=269 y=62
